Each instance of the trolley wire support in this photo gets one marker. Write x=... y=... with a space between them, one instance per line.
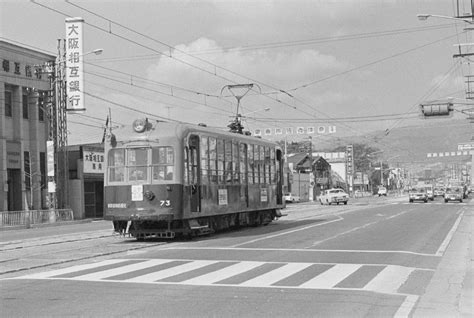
x=238 y=91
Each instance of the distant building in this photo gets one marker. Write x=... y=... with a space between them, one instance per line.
x=23 y=128
x=308 y=176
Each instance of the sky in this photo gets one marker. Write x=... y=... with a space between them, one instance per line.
x=343 y=67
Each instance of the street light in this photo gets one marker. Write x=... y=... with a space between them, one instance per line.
x=424 y=17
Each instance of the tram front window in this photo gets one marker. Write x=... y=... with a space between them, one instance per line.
x=163 y=163
x=137 y=164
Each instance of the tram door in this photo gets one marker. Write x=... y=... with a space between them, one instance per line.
x=194 y=174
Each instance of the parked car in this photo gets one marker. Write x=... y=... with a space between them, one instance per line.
x=417 y=194
x=333 y=196
x=382 y=191
x=454 y=194
x=288 y=197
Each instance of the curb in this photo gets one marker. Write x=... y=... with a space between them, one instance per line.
x=41 y=225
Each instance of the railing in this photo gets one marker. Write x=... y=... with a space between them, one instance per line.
x=27 y=218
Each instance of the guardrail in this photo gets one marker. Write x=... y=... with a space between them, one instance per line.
x=27 y=218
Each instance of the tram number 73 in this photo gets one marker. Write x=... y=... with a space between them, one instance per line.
x=165 y=203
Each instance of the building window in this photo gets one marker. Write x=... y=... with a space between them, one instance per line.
x=8 y=104
x=28 y=72
x=6 y=65
x=25 y=106
x=17 y=68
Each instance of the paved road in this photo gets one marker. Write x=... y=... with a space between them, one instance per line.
x=377 y=260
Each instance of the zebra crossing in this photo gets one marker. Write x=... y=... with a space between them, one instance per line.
x=387 y=279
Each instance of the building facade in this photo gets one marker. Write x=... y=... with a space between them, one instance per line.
x=23 y=128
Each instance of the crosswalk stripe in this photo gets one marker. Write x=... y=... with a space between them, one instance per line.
x=332 y=276
x=223 y=273
x=152 y=277
x=389 y=279
x=73 y=269
x=275 y=275
x=122 y=270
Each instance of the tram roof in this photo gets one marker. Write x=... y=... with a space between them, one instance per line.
x=181 y=129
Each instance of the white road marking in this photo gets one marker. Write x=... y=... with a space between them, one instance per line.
x=406 y=307
x=122 y=269
x=449 y=236
x=303 y=250
x=223 y=273
x=389 y=279
x=170 y=272
x=276 y=275
x=73 y=269
x=358 y=228
x=287 y=232
x=332 y=276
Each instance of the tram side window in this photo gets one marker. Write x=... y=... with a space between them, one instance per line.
x=228 y=161
x=213 y=159
x=137 y=161
x=162 y=159
x=235 y=161
x=116 y=165
x=220 y=161
x=250 y=162
x=267 y=165
x=204 y=161
x=261 y=168
x=273 y=174
x=243 y=163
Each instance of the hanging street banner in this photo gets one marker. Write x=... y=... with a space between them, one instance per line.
x=74 y=65
x=295 y=131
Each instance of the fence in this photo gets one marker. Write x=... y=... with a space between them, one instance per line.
x=27 y=218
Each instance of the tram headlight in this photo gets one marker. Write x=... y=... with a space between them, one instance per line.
x=140 y=125
x=149 y=195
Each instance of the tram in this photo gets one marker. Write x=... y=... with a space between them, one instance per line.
x=169 y=179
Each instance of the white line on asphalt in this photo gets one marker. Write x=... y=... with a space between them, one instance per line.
x=288 y=232
x=276 y=275
x=389 y=279
x=406 y=307
x=332 y=276
x=73 y=269
x=450 y=235
x=301 y=250
x=358 y=228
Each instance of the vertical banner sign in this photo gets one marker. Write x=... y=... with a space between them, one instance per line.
x=50 y=159
x=74 y=65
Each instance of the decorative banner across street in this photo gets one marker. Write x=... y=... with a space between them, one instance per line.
x=295 y=131
x=74 y=65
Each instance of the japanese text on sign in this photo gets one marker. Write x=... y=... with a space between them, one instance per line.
x=74 y=65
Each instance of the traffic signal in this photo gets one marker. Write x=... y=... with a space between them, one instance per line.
x=437 y=110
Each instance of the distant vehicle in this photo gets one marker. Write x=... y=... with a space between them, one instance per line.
x=417 y=194
x=429 y=192
x=382 y=191
x=288 y=197
x=333 y=196
x=439 y=192
x=454 y=193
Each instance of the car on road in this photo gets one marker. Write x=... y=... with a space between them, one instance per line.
x=454 y=193
x=288 y=197
x=334 y=195
x=417 y=194
x=382 y=191
x=439 y=192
